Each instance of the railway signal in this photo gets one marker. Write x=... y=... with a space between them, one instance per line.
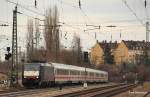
x=86 y=58
x=8 y=49
x=4 y=25
x=8 y=55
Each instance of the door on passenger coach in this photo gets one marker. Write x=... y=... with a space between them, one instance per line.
x=47 y=73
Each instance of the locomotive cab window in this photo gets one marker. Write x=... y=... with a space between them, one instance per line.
x=31 y=67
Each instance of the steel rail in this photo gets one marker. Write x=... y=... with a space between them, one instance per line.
x=23 y=92
x=88 y=91
x=114 y=91
x=146 y=95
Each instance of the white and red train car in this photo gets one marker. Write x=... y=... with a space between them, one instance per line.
x=51 y=73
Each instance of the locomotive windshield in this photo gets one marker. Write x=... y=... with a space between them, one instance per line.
x=31 y=67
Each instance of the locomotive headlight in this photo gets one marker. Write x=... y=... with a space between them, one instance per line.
x=25 y=77
x=37 y=77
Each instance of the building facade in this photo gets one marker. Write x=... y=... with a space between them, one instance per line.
x=123 y=52
x=96 y=55
x=97 y=52
x=131 y=52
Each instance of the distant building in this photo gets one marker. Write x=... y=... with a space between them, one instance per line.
x=130 y=52
x=97 y=52
x=124 y=52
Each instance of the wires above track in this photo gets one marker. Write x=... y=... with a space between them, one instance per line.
x=26 y=8
x=138 y=19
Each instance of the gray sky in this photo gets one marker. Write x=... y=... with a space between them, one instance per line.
x=94 y=12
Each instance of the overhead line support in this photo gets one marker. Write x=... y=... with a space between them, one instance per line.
x=14 y=67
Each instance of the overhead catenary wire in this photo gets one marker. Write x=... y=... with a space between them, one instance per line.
x=138 y=19
x=86 y=16
x=26 y=8
x=80 y=4
x=66 y=24
x=35 y=3
x=77 y=7
x=32 y=16
x=146 y=9
x=69 y=4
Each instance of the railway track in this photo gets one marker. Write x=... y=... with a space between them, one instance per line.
x=107 y=91
x=12 y=90
x=146 y=95
x=24 y=92
x=87 y=93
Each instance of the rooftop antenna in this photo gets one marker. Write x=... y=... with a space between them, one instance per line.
x=111 y=37
x=120 y=35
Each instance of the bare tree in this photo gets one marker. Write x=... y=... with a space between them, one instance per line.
x=33 y=52
x=51 y=34
x=30 y=37
x=77 y=53
x=37 y=33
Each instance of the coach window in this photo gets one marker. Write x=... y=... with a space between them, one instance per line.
x=62 y=71
x=87 y=73
x=91 y=74
x=82 y=72
x=73 y=72
x=78 y=72
x=97 y=75
x=102 y=75
x=55 y=71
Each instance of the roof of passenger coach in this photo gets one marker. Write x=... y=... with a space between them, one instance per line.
x=64 y=66
x=72 y=67
x=96 y=71
x=33 y=64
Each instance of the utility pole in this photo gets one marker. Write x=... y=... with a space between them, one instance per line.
x=57 y=45
x=86 y=61
x=37 y=33
x=14 y=68
x=147 y=31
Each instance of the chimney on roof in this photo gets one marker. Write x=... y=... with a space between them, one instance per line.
x=97 y=41
x=110 y=41
x=103 y=41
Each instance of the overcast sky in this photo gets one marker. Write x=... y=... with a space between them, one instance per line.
x=94 y=12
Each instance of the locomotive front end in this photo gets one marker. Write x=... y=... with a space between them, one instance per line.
x=31 y=74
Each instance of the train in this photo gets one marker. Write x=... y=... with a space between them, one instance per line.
x=48 y=74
